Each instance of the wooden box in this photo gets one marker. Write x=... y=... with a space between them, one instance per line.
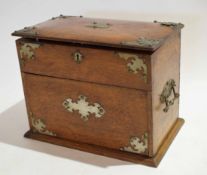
x=109 y=87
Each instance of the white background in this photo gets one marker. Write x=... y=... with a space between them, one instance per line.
x=188 y=153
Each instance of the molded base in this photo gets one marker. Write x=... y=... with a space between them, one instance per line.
x=131 y=157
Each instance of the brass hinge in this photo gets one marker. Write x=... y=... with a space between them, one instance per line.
x=63 y=17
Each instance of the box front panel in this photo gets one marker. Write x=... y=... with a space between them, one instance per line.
x=102 y=115
x=104 y=66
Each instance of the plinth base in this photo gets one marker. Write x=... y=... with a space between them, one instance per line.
x=122 y=155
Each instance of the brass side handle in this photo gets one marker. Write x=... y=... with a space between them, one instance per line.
x=168 y=95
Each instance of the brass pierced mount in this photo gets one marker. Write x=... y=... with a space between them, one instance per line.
x=143 y=42
x=137 y=145
x=95 y=25
x=167 y=93
x=84 y=108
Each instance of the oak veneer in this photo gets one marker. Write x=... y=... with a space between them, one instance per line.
x=109 y=87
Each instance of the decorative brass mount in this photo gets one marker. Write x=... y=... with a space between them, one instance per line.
x=27 y=51
x=84 y=108
x=168 y=90
x=137 y=145
x=171 y=24
x=64 y=17
x=143 y=42
x=39 y=125
x=136 y=65
x=59 y=17
x=99 y=25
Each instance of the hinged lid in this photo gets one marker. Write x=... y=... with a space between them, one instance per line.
x=103 y=32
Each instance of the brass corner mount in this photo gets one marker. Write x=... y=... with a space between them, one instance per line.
x=170 y=24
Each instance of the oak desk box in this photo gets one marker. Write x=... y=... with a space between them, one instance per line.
x=109 y=87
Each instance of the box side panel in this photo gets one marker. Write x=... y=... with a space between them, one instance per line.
x=165 y=67
x=150 y=123
x=22 y=77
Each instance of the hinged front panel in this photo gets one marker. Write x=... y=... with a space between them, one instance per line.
x=102 y=66
x=101 y=115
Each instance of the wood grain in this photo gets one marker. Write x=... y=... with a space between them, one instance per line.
x=98 y=65
x=132 y=105
x=165 y=66
x=125 y=110
x=75 y=30
x=140 y=159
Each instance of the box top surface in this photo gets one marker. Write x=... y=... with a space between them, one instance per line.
x=103 y=32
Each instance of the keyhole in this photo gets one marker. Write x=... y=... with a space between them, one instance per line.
x=78 y=57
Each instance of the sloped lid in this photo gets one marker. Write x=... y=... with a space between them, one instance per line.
x=105 y=32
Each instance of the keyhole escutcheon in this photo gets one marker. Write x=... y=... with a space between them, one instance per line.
x=78 y=57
